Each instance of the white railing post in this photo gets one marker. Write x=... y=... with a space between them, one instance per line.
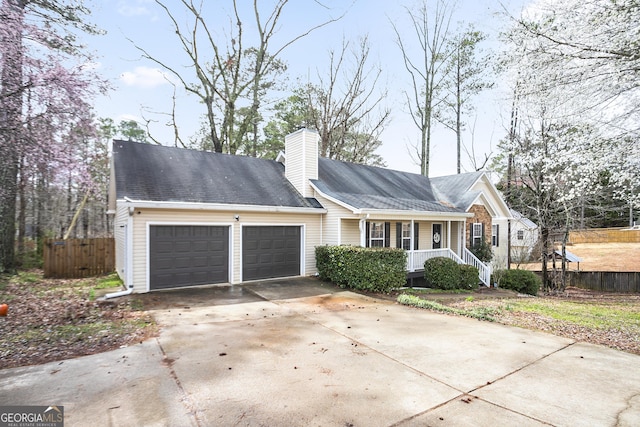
x=416 y=260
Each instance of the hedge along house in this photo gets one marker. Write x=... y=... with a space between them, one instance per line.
x=186 y=217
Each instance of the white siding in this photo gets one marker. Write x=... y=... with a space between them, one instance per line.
x=350 y=232
x=333 y=232
x=144 y=217
x=301 y=164
x=500 y=252
x=120 y=236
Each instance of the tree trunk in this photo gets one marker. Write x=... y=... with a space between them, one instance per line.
x=10 y=130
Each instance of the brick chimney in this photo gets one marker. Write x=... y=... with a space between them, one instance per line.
x=301 y=159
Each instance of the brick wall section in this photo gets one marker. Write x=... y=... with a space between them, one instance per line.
x=480 y=215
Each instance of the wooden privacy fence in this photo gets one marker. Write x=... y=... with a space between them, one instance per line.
x=605 y=235
x=77 y=258
x=605 y=281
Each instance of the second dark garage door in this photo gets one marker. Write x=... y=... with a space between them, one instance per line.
x=187 y=255
x=270 y=252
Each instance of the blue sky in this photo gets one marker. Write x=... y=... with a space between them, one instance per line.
x=139 y=86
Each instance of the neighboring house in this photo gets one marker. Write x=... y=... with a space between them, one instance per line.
x=185 y=217
x=524 y=237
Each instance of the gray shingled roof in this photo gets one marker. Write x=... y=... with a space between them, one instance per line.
x=454 y=189
x=523 y=219
x=369 y=187
x=158 y=173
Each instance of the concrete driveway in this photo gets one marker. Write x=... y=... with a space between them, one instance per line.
x=297 y=352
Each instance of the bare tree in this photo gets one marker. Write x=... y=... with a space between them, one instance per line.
x=465 y=78
x=427 y=70
x=226 y=76
x=346 y=107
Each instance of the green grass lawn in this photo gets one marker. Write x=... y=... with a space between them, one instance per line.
x=613 y=321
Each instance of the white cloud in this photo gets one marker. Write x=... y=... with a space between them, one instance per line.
x=144 y=77
x=134 y=8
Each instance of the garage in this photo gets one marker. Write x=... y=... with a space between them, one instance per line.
x=270 y=252
x=186 y=255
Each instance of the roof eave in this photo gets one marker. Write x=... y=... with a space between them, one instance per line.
x=151 y=204
x=333 y=199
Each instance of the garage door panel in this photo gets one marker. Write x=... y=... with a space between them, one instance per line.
x=270 y=251
x=188 y=255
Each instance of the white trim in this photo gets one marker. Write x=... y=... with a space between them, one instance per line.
x=195 y=224
x=303 y=233
x=332 y=199
x=495 y=195
x=128 y=261
x=221 y=207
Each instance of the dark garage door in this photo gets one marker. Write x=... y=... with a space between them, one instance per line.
x=270 y=251
x=186 y=255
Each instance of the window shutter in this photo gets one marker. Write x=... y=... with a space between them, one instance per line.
x=483 y=233
x=398 y=234
x=416 y=236
x=387 y=234
x=366 y=238
x=497 y=235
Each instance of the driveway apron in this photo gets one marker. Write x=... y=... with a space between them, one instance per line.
x=298 y=352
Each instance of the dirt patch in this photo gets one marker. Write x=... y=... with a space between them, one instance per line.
x=51 y=320
x=601 y=257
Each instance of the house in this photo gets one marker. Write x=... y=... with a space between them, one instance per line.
x=524 y=237
x=185 y=217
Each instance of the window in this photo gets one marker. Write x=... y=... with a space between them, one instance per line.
x=520 y=234
x=376 y=235
x=476 y=236
x=495 y=235
x=406 y=236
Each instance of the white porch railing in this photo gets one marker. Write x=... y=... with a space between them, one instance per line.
x=416 y=259
x=484 y=270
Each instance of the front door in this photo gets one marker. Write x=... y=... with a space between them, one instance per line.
x=436 y=236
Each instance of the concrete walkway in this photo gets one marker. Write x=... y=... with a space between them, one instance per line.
x=299 y=353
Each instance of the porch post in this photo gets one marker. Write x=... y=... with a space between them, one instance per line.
x=448 y=234
x=363 y=232
x=413 y=234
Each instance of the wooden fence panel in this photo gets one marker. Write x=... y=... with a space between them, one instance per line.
x=77 y=258
x=605 y=235
x=606 y=281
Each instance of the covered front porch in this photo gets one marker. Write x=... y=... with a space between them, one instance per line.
x=423 y=238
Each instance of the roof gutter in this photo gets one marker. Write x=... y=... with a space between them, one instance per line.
x=221 y=207
x=413 y=213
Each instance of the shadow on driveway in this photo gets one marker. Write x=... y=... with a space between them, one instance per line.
x=226 y=294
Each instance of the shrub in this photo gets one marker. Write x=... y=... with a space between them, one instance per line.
x=442 y=273
x=482 y=251
x=523 y=281
x=469 y=278
x=369 y=269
